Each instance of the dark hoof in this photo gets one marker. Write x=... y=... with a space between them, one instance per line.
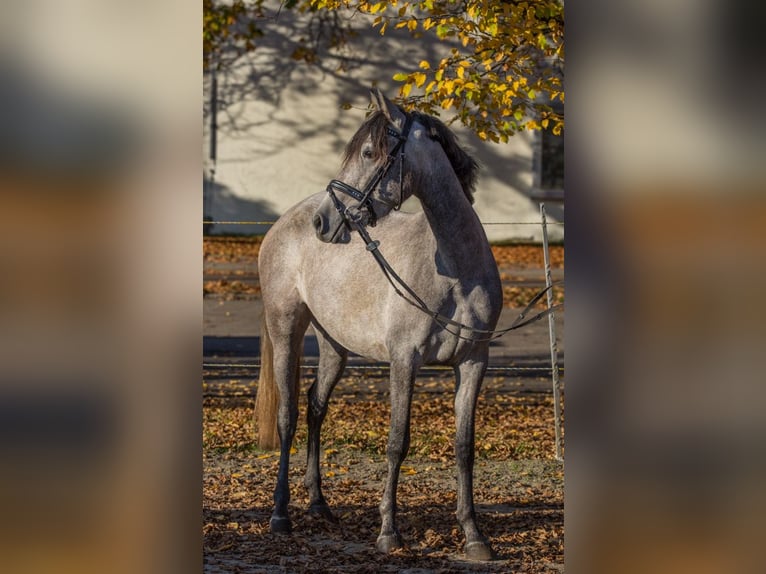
x=280 y=525
x=479 y=551
x=322 y=511
x=388 y=542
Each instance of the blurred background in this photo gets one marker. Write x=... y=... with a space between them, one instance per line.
x=99 y=286
x=666 y=224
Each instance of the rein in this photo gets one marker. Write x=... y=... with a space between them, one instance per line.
x=445 y=322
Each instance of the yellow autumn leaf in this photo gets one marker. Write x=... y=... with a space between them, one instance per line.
x=375 y=8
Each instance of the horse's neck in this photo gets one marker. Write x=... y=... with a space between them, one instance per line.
x=455 y=225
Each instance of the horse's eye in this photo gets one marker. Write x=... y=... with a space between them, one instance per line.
x=367 y=153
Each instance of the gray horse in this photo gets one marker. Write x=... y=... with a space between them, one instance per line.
x=335 y=285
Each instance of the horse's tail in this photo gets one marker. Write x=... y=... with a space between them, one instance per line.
x=267 y=399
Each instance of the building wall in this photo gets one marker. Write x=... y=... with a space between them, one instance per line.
x=283 y=125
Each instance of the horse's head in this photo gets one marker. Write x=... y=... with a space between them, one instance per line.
x=375 y=177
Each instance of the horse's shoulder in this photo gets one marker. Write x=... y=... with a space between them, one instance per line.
x=292 y=228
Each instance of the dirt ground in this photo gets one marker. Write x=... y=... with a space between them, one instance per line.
x=518 y=488
x=518 y=481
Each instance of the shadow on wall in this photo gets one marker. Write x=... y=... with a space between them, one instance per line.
x=512 y=170
x=221 y=204
x=270 y=72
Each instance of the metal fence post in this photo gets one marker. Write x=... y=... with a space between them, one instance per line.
x=552 y=333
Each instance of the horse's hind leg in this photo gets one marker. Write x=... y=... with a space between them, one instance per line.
x=287 y=339
x=469 y=376
x=332 y=360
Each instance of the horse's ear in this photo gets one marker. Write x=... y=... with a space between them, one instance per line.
x=392 y=113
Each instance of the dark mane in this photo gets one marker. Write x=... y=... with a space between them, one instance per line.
x=374 y=127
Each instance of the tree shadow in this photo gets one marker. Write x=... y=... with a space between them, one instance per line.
x=429 y=532
x=511 y=170
x=270 y=72
x=222 y=205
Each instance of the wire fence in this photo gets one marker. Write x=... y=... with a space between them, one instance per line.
x=380 y=366
x=250 y=371
x=483 y=222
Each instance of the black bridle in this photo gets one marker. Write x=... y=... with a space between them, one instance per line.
x=364 y=197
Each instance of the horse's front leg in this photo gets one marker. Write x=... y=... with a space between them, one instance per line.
x=332 y=360
x=469 y=376
x=402 y=381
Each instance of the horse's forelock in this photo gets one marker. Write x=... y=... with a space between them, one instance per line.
x=465 y=167
x=373 y=127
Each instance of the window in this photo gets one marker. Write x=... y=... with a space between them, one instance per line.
x=548 y=164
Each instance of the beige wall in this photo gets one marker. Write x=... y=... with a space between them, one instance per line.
x=283 y=128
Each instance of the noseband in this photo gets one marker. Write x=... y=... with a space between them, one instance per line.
x=364 y=197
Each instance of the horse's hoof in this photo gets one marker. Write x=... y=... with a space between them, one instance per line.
x=280 y=525
x=322 y=511
x=388 y=542
x=479 y=551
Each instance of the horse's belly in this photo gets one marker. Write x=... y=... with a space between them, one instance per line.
x=358 y=330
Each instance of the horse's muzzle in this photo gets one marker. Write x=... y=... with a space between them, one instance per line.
x=330 y=231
